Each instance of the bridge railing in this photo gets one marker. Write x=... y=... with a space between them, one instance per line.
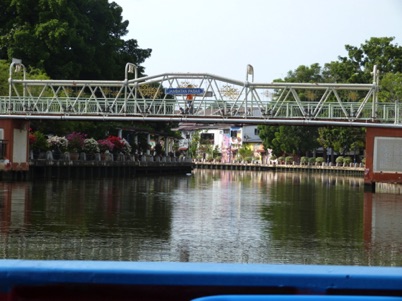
x=385 y=112
x=219 y=100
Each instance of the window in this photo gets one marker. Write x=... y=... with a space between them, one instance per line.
x=256 y=131
x=3 y=144
x=207 y=138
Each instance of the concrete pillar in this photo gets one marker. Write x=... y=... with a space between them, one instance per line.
x=148 y=141
x=166 y=146
x=14 y=134
x=383 y=153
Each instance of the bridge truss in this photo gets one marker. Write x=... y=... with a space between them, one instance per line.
x=221 y=100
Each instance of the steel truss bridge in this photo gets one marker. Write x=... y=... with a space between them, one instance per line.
x=197 y=98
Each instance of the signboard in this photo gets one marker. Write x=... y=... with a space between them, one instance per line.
x=184 y=91
x=387 y=154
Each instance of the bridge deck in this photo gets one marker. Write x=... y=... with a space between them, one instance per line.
x=216 y=99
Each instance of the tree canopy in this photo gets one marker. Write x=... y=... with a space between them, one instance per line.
x=75 y=39
x=356 y=67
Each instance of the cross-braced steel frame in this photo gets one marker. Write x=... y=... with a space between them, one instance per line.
x=221 y=100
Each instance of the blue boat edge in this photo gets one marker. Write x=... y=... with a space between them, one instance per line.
x=122 y=280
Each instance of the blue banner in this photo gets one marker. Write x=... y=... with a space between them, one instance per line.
x=184 y=91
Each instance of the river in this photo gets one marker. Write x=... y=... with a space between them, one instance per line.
x=209 y=216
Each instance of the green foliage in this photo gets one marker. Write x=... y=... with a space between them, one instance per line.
x=245 y=152
x=4 y=74
x=311 y=160
x=40 y=142
x=215 y=152
x=158 y=149
x=289 y=139
x=303 y=160
x=339 y=159
x=391 y=87
x=342 y=139
x=319 y=160
x=76 y=39
x=288 y=159
x=248 y=159
x=31 y=73
x=347 y=160
x=193 y=145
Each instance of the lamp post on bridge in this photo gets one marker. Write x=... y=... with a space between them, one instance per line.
x=376 y=76
x=17 y=65
x=249 y=72
x=130 y=68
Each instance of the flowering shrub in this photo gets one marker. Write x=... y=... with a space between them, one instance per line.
x=90 y=146
x=57 y=142
x=76 y=141
x=38 y=141
x=117 y=142
x=126 y=147
x=105 y=145
x=32 y=138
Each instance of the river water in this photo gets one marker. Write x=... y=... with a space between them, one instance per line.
x=209 y=216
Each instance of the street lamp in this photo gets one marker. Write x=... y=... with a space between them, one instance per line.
x=17 y=65
x=130 y=68
x=250 y=71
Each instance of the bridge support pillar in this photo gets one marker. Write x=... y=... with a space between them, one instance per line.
x=383 y=157
x=149 y=142
x=14 y=145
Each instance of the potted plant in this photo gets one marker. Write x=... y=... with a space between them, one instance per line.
x=339 y=161
x=347 y=161
x=90 y=147
x=37 y=143
x=76 y=141
x=288 y=160
x=57 y=145
x=319 y=160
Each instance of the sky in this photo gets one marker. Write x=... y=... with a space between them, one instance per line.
x=222 y=37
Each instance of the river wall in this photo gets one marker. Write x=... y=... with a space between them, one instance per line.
x=353 y=169
x=64 y=169
x=61 y=169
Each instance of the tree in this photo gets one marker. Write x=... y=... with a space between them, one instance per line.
x=32 y=73
x=391 y=87
x=342 y=140
x=289 y=140
x=294 y=140
x=194 y=144
x=360 y=61
x=305 y=74
x=75 y=39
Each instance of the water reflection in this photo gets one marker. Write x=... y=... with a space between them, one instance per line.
x=212 y=216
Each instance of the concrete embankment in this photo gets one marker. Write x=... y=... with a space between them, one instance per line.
x=355 y=170
x=53 y=169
